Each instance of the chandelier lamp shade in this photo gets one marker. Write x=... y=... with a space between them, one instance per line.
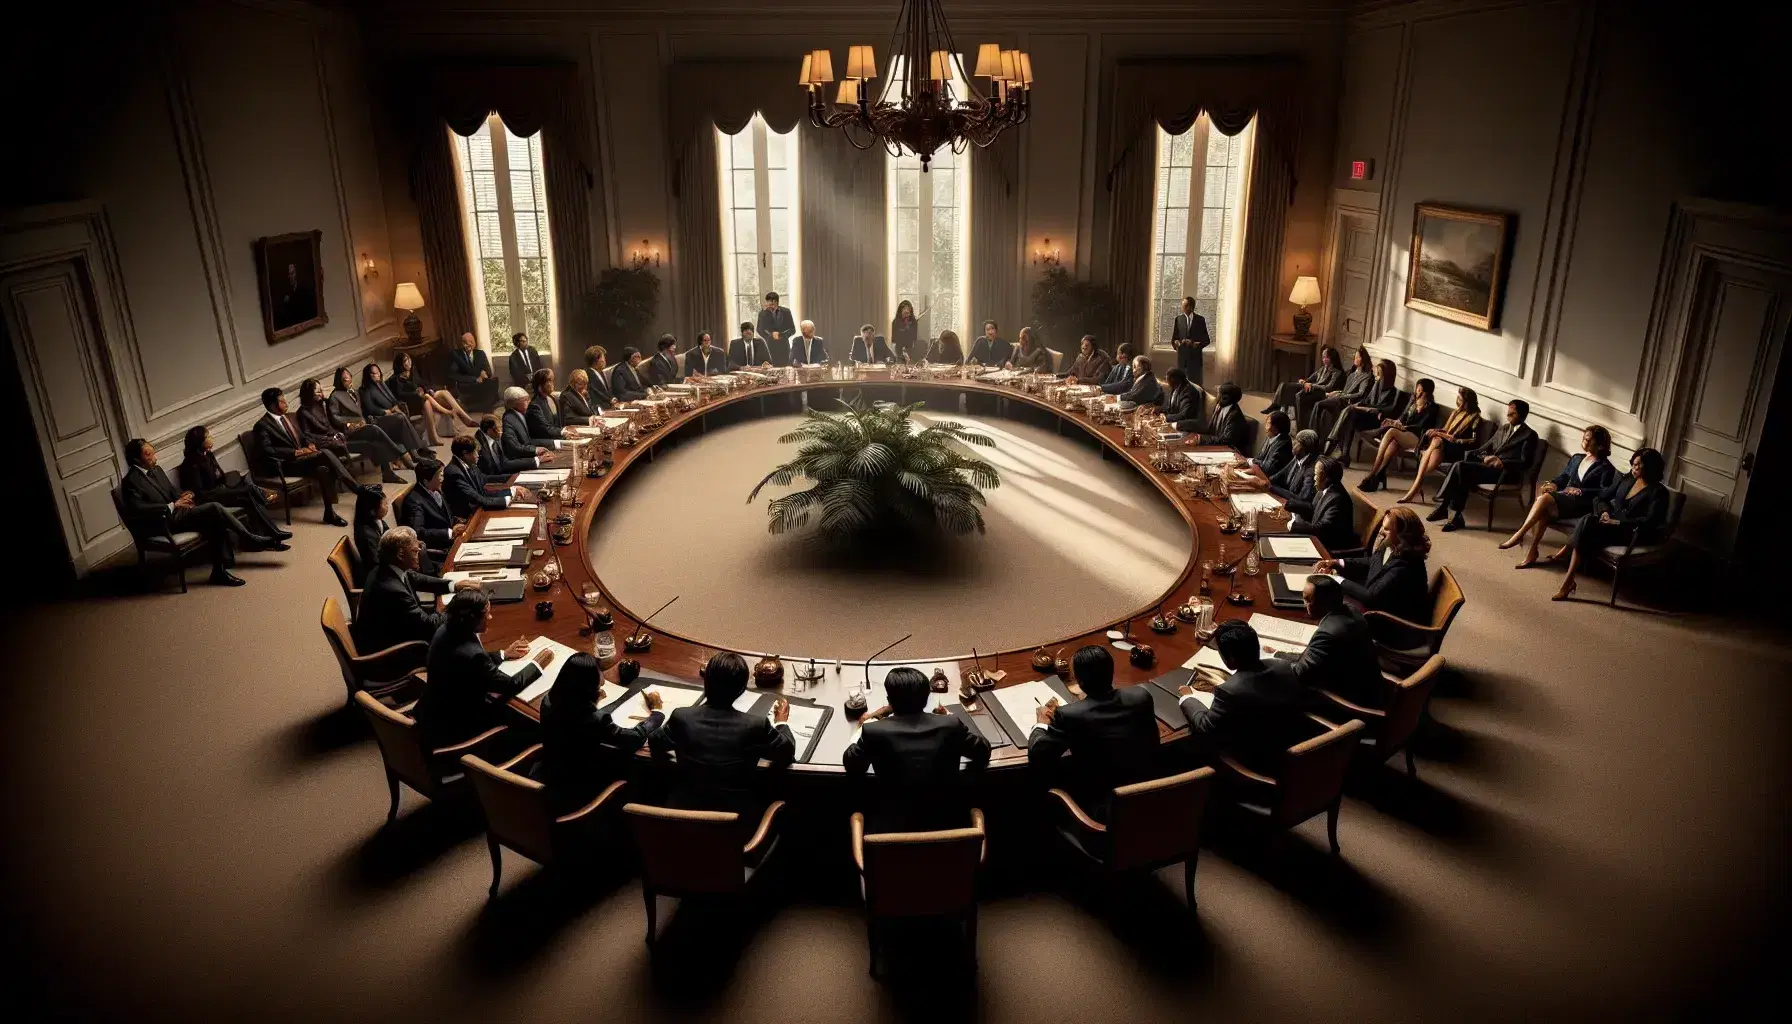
x=926 y=100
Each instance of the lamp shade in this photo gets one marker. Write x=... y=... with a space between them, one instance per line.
x=821 y=66
x=989 y=60
x=861 y=63
x=1306 y=291
x=849 y=92
x=1010 y=67
x=803 y=77
x=407 y=296
x=1026 y=68
x=939 y=66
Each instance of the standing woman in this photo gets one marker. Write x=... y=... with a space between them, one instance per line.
x=1570 y=495
x=201 y=474
x=1032 y=356
x=1448 y=443
x=903 y=331
x=1636 y=502
x=1091 y=365
x=1417 y=420
x=436 y=403
x=379 y=405
x=360 y=436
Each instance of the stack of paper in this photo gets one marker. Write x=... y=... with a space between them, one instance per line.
x=1210 y=458
x=543 y=477
x=613 y=422
x=1295 y=581
x=548 y=675
x=1271 y=627
x=633 y=711
x=1243 y=503
x=483 y=575
x=1022 y=701
x=484 y=552
x=507 y=527
x=1291 y=549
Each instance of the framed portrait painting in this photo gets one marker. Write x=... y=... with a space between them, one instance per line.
x=289 y=270
x=1459 y=264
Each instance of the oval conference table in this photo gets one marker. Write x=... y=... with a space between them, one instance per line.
x=676 y=659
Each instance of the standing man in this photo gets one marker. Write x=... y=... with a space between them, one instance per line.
x=1189 y=337
x=777 y=327
x=523 y=362
x=748 y=350
x=806 y=349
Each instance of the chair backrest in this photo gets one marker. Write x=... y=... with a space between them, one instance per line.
x=343 y=565
x=1676 y=506
x=688 y=851
x=516 y=808
x=1158 y=821
x=252 y=454
x=398 y=500
x=1057 y=360
x=1313 y=773
x=1367 y=534
x=401 y=745
x=1446 y=600
x=133 y=528
x=1407 y=704
x=342 y=643
x=922 y=874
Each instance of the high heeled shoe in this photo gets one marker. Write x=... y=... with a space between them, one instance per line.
x=1567 y=591
x=1511 y=542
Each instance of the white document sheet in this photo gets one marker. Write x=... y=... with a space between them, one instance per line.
x=633 y=711
x=804 y=720
x=548 y=675
x=1288 y=631
x=1210 y=458
x=543 y=477
x=1022 y=701
x=484 y=552
x=507 y=527
x=745 y=701
x=1243 y=503
x=1293 y=548
x=614 y=422
x=1296 y=580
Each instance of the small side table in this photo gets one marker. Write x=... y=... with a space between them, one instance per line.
x=1293 y=357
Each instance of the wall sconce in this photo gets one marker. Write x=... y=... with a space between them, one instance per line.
x=644 y=255
x=1045 y=254
x=369 y=269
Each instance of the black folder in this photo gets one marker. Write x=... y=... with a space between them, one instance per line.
x=983 y=725
x=763 y=706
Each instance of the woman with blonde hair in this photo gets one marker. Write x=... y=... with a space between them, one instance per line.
x=1391 y=577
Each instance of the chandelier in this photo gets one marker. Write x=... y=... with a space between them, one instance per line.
x=926 y=101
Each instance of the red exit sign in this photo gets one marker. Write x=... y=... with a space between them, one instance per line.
x=1362 y=170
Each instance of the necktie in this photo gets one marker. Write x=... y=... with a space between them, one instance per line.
x=291 y=431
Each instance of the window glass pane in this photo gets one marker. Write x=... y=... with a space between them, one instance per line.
x=1175 y=237
x=944 y=238
x=1207 y=277
x=1182 y=148
x=746 y=270
x=491 y=239
x=908 y=275
x=780 y=230
x=534 y=283
x=744 y=190
x=497 y=319
x=908 y=229
x=479 y=148
x=775 y=147
x=782 y=187
x=522 y=190
x=781 y=274
x=908 y=188
x=535 y=318
x=516 y=150
x=1169 y=279
x=746 y=310
x=1215 y=188
x=1213 y=235
x=942 y=188
x=485 y=191
x=1177 y=189
x=740 y=148
x=497 y=283
x=746 y=231
x=528 y=245
x=945 y=271
x=1219 y=147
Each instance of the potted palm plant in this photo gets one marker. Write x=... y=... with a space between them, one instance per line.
x=875 y=470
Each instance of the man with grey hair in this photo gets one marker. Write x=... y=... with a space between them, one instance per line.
x=1294 y=484
x=515 y=438
x=806 y=348
x=390 y=612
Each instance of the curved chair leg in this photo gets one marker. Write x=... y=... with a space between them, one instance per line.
x=1617 y=574
x=653 y=913
x=491 y=841
x=1331 y=824
x=1188 y=878
x=1412 y=770
x=392 y=784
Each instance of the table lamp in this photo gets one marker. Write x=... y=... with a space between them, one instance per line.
x=1305 y=293
x=410 y=300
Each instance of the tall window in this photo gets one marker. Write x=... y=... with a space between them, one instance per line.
x=761 y=233
x=1198 y=227
x=504 y=203
x=929 y=232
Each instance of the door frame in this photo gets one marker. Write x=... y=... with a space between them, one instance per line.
x=1347 y=203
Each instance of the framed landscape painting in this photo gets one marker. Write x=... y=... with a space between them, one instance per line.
x=1458 y=267
x=289 y=269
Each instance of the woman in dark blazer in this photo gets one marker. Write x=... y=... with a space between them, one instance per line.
x=583 y=749
x=1302 y=393
x=1403 y=434
x=359 y=435
x=904 y=329
x=1571 y=494
x=201 y=474
x=1633 y=504
x=1391 y=577
x=1445 y=444
x=576 y=406
x=373 y=517
x=436 y=403
x=946 y=349
x=380 y=406
x=1030 y=355
x=543 y=414
x=320 y=427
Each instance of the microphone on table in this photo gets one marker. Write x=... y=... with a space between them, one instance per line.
x=640 y=640
x=859 y=709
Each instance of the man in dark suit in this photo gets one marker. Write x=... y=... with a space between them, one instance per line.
x=776 y=327
x=990 y=350
x=597 y=381
x=1341 y=656
x=1119 y=379
x=1276 y=451
x=740 y=358
x=1332 y=518
x=1145 y=389
x=869 y=347
x=625 y=379
x=466 y=690
x=493 y=459
x=663 y=368
x=1506 y=456
x=706 y=360
x=390 y=612
x=719 y=748
x=425 y=510
x=1188 y=336
x=465 y=485
x=1255 y=714
x=517 y=438
x=915 y=758
x=542 y=413
x=1111 y=735
x=285 y=445
x=524 y=361
x=1183 y=402
x=1294 y=483
x=806 y=349
x=150 y=500
x=470 y=374
x=1227 y=425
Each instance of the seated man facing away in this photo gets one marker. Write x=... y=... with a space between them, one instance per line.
x=466 y=690
x=1256 y=713
x=1111 y=735
x=1341 y=656
x=150 y=501
x=390 y=612
x=915 y=757
x=719 y=748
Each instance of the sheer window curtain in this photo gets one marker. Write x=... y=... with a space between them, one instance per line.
x=844 y=252
x=996 y=244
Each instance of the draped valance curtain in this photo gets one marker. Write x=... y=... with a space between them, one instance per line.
x=530 y=98
x=1173 y=94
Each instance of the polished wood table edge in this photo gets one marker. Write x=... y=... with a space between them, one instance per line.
x=679 y=657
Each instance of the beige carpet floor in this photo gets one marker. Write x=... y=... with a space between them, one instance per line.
x=1598 y=832
x=1073 y=543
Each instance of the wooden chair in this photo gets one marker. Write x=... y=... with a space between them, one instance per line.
x=518 y=815
x=177 y=547
x=431 y=773
x=342 y=563
x=381 y=673
x=697 y=853
x=1618 y=557
x=1368 y=523
x=1404 y=645
x=282 y=480
x=1058 y=364
x=1504 y=488
x=1151 y=824
x=1311 y=780
x=1389 y=731
x=910 y=875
